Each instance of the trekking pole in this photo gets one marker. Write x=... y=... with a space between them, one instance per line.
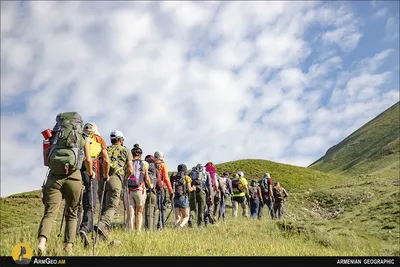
x=101 y=207
x=124 y=203
x=159 y=211
x=150 y=218
x=128 y=213
x=92 y=207
x=62 y=219
x=195 y=206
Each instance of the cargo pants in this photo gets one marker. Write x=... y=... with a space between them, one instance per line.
x=197 y=204
x=54 y=190
x=112 y=197
x=150 y=210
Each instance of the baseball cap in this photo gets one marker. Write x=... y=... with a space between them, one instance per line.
x=90 y=127
x=117 y=134
x=241 y=174
x=158 y=155
x=266 y=175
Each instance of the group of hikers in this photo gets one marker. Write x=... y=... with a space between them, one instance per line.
x=83 y=169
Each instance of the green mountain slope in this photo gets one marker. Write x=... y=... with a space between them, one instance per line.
x=372 y=149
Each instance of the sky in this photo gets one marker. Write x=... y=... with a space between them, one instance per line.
x=199 y=81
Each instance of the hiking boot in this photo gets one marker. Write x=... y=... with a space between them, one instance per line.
x=67 y=249
x=84 y=237
x=41 y=250
x=103 y=231
x=41 y=246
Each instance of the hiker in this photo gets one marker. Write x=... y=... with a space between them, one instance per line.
x=98 y=148
x=279 y=194
x=151 y=205
x=225 y=190
x=121 y=168
x=162 y=195
x=267 y=196
x=208 y=209
x=197 y=200
x=239 y=192
x=181 y=184
x=64 y=179
x=255 y=198
x=212 y=207
x=136 y=186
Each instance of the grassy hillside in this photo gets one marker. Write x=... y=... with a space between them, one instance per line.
x=326 y=214
x=372 y=149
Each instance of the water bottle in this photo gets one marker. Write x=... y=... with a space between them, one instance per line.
x=46 y=150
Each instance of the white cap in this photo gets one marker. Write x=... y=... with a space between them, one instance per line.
x=241 y=174
x=90 y=127
x=266 y=175
x=117 y=134
x=159 y=155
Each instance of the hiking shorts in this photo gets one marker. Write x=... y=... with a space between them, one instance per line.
x=181 y=202
x=138 y=198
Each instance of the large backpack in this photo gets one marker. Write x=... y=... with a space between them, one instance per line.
x=137 y=178
x=253 y=192
x=222 y=184
x=95 y=150
x=278 y=194
x=212 y=171
x=155 y=175
x=237 y=186
x=199 y=179
x=66 y=152
x=264 y=186
x=117 y=163
x=179 y=183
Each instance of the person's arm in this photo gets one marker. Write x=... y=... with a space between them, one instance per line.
x=146 y=175
x=285 y=192
x=106 y=158
x=167 y=180
x=259 y=193
x=270 y=193
x=189 y=184
x=216 y=183
x=129 y=165
x=229 y=183
x=88 y=160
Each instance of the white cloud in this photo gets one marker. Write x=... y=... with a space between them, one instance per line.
x=162 y=73
x=392 y=28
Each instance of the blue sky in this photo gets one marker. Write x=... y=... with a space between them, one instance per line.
x=199 y=81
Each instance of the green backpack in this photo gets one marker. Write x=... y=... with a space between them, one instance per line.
x=66 y=152
x=117 y=163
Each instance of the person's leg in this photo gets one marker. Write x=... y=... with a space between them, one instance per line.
x=192 y=208
x=244 y=207
x=201 y=202
x=83 y=217
x=280 y=210
x=184 y=211
x=140 y=199
x=235 y=206
x=52 y=199
x=260 y=209
x=73 y=196
x=113 y=188
x=148 y=210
